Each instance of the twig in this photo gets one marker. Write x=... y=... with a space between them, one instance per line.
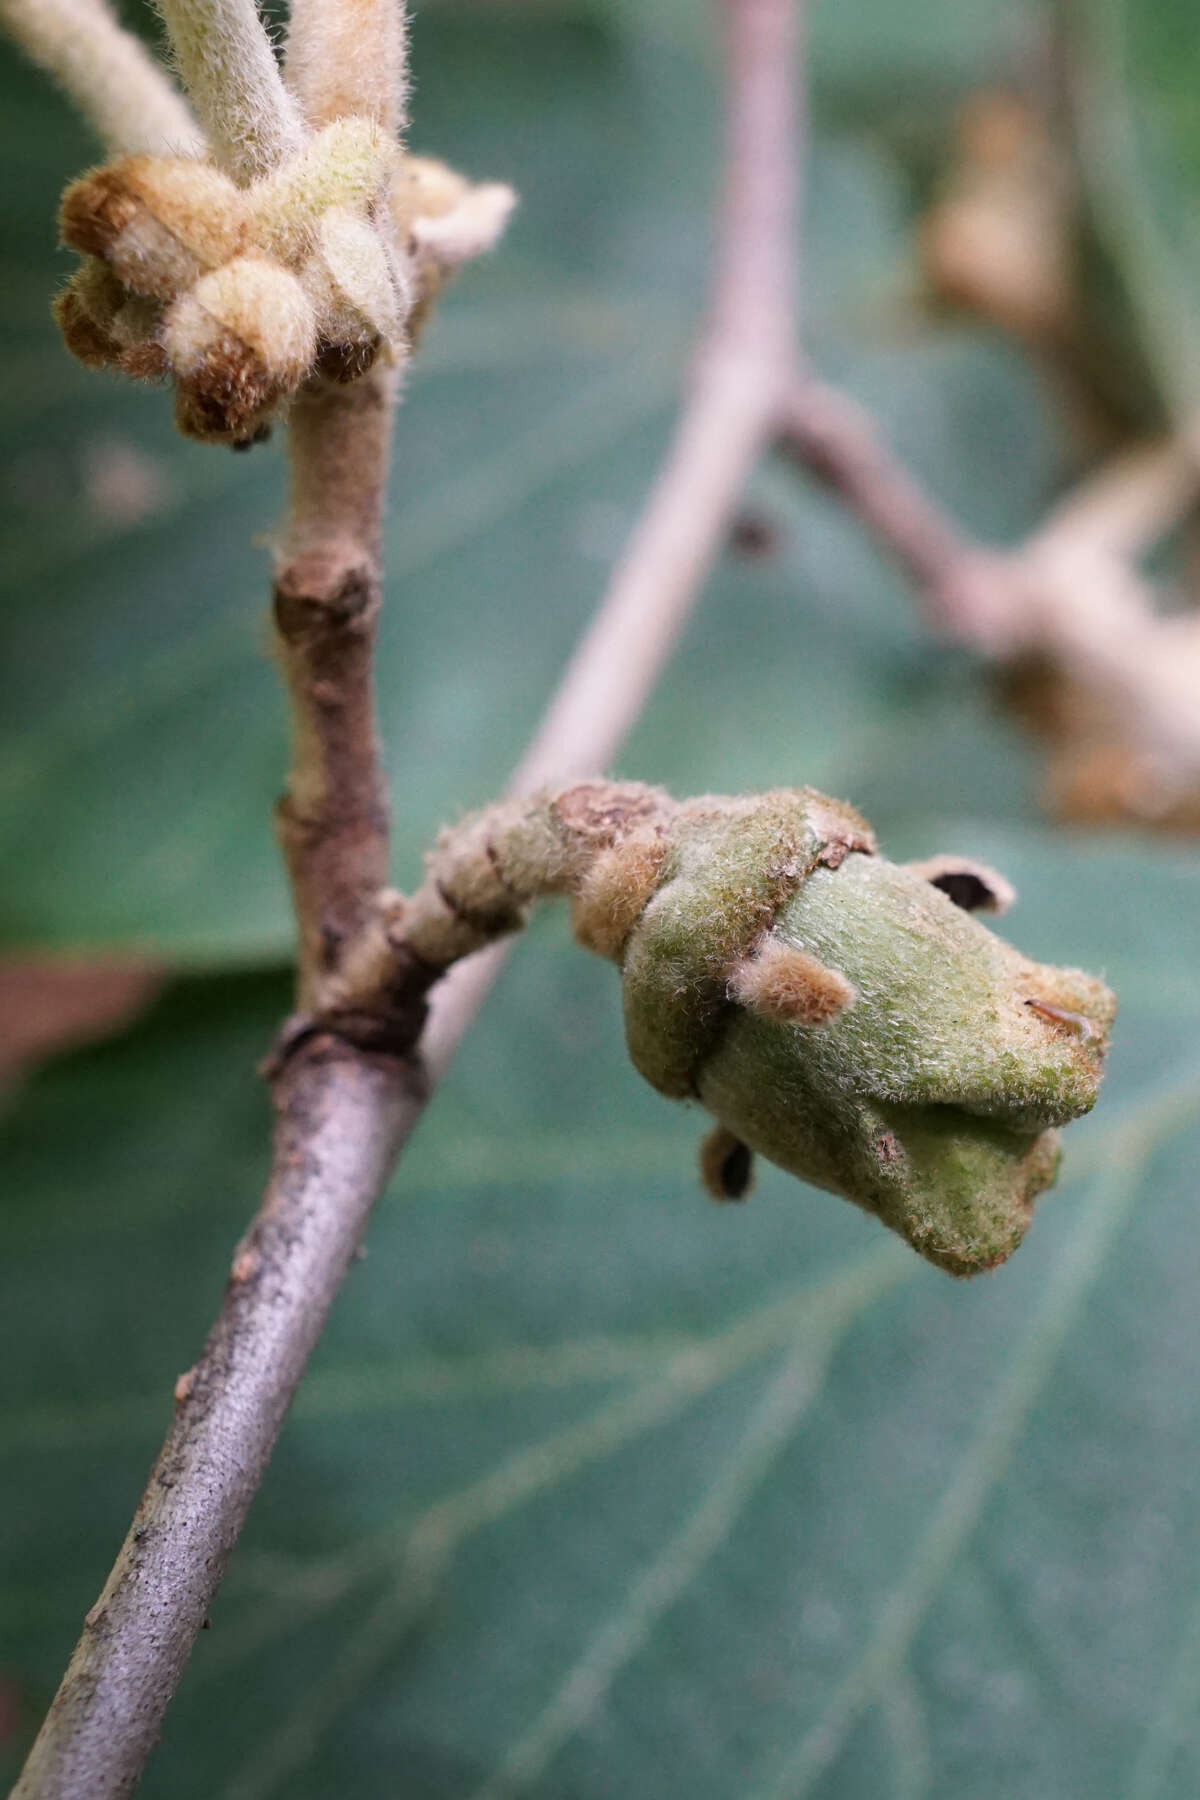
x=333 y=820
x=1070 y=592
x=348 y=59
x=108 y=74
x=228 y=67
x=340 y=1115
x=829 y=436
x=342 y=1112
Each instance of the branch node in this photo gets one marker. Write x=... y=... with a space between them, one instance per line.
x=324 y=592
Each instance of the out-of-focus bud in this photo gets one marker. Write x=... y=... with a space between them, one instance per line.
x=158 y=221
x=85 y=311
x=444 y=220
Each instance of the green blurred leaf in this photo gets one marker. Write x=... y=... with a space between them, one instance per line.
x=142 y=741
x=595 y=1489
x=1133 y=75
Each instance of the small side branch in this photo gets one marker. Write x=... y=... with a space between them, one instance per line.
x=828 y=436
x=1070 y=593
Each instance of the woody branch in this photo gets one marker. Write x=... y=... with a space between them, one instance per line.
x=346 y=1099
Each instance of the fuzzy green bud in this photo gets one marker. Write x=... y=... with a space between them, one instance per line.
x=845 y=1017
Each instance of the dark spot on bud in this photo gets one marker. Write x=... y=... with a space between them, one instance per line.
x=736 y=1172
x=966 y=889
x=345 y=362
x=726 y=1165
x=967 y=884
x=222 y=397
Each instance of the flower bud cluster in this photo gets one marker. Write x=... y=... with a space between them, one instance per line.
x=242 y=295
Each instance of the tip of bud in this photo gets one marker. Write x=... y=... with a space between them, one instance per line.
x=242 y=339
x=225 y=394
x=474 y=225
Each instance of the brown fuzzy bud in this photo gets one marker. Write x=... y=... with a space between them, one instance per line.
x=146 y=361
x=238 y=342
x=95 y=210
x=104 y=325
x=84 y=336
x=245 y=293
x=136 y=320
x=789 y=986
x=158 y=221
x=615 y=892
x=226 y=395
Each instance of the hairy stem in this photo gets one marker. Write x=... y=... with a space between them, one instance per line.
x=333 y=819
x=350 y=58
x=228 y=67
x=120 y=90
